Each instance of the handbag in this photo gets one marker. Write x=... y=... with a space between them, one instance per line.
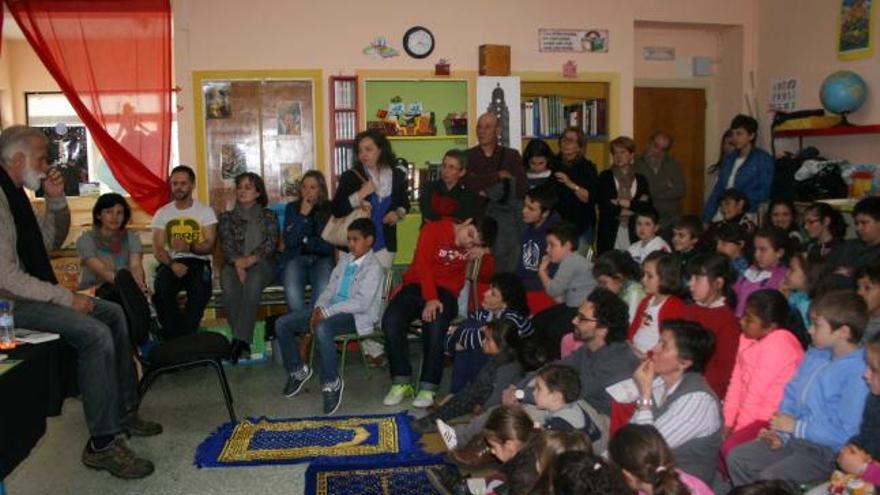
x=336 y=230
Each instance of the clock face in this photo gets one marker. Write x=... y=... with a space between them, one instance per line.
x=418 y=42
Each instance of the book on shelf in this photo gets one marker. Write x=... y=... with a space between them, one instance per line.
x=548 y=116
x=346 y=126
x=343 y=158
x=344 y=94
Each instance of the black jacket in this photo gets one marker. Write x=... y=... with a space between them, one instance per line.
x=349 y=183
x=609 y=213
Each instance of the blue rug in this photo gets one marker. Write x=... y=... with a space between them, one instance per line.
x=382 y=440
x=405 y=478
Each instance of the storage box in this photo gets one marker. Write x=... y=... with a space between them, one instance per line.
x=494 y=60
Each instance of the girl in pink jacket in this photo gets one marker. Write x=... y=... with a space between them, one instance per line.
x=768 y=357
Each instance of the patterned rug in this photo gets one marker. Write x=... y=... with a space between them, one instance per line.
x=366 y=479
x=383 y=440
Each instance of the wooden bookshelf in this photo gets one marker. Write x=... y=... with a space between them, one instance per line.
x=585 y=87
x=343 y=124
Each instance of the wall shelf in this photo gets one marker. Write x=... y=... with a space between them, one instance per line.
x=829 y=131
x=449 y=137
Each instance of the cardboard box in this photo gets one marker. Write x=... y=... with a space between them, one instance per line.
x=494 y=60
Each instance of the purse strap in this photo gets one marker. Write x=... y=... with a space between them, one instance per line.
x=361 y=177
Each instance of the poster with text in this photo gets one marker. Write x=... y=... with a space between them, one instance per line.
x=573 y=40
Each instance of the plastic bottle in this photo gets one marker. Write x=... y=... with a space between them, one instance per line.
x=7 y=325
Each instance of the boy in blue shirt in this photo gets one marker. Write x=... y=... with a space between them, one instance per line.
x=351 y=301
x=822 y=405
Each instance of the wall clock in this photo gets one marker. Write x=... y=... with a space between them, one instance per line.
x=418 y=42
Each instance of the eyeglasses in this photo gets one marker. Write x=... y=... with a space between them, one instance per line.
x=811 y=220
x=580 y=317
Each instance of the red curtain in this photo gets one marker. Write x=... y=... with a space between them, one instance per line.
x=112 y=60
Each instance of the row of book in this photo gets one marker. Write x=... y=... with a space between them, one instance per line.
x=346 y=125
x=343 y=157
x=344 y=94
x=549 y=116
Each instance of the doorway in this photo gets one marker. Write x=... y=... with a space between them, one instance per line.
x=681 y=113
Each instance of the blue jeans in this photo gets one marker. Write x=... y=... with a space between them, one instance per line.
x=105 y=369
x=305 y=269
x=288 y=328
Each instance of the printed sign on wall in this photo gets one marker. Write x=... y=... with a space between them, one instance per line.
x=573 y=40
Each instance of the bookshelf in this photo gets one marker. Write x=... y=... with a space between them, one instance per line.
x=343 y=124
x=548 y=101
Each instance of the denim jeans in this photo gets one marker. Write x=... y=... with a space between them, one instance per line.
x=407 y=306
x=305 y=269
x=288 y=328
x=196 y=283
x=105 y=369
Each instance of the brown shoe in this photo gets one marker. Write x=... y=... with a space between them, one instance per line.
x=119 y=460
x=379 y=361
x=136 y=426
x=475 y=454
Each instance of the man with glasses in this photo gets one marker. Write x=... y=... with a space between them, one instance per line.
x=665 y=179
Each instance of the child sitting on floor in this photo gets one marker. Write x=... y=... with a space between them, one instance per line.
x=647 y=463
x=868 y=283
x=505 y=300
x=662 y=282
x=647 y=222
x=768 y=269
x=687 y=234
x=569 y=286
x=822 y=405
x=731 y=241
x=768 y=357
x=583 y=473
x=732 y=208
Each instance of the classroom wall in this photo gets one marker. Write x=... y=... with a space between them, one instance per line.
x=797 y=38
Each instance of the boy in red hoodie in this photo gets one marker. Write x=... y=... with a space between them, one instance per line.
x=429 y=291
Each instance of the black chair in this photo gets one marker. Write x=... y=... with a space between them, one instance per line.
x=182 y=353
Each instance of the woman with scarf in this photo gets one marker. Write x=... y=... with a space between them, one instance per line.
x=109 y=247
x=376 y=185
x=248 y=237
x=621 y=192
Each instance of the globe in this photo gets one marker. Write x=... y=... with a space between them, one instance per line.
x=843 y=92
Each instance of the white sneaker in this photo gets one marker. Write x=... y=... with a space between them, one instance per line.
x=424 y=399
x=447 y=433
x=397 y=393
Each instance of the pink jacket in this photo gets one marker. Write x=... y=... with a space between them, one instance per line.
x=762 y=369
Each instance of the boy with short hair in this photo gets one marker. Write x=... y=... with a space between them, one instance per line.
x=843 y=260
x=687 y=232
x=868 y=283
x=429 y=291
x=350 y=301
x=538 y=216
x=447 y=197
x=557 y=389
x=569 y=286
x=647 y=226
x=731 y=241
x=732 y=208
x=822 y=405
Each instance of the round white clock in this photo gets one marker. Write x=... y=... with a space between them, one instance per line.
x=418 y=42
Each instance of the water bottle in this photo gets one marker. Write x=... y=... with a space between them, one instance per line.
x=7 y=325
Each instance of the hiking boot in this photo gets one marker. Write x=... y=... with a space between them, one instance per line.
x=424 y=399
x=296 y=380
x=447 y=480
x=136 y=426
x=332 y=396
x=119 y=460
x=397 y=393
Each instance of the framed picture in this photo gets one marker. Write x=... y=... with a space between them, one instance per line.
x=233 y=160
x=289 y=118
x=217 y=104
x=500 y=95
x=855 y=29
x=573 y=40
x=68 y=153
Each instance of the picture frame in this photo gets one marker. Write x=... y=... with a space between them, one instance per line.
x=855 y=29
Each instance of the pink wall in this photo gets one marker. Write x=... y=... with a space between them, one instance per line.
x=797 y=38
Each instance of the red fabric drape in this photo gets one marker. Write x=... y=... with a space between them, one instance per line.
x=112 y=60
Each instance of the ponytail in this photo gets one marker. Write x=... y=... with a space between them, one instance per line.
x=642 y=451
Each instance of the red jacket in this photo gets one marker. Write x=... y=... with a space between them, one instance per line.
x=438 y=262
x=672 y=309
x=723 y=324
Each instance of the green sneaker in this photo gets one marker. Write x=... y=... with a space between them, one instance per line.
x=424 y=399
x=119 y=460
x=397 y=393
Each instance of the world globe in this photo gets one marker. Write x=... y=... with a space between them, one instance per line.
x=843 y=92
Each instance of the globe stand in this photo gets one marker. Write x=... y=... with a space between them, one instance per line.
x=843 y=120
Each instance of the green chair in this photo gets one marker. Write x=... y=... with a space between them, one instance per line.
x=346 y=338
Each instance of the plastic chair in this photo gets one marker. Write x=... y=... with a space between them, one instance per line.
x=183 y=353
x=347 y=338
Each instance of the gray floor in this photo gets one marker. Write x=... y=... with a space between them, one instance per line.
x=189 y=405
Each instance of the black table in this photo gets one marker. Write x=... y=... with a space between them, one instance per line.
x=30 y=392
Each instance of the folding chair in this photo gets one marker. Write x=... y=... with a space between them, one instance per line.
x=182 y=353
x=347 y=338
